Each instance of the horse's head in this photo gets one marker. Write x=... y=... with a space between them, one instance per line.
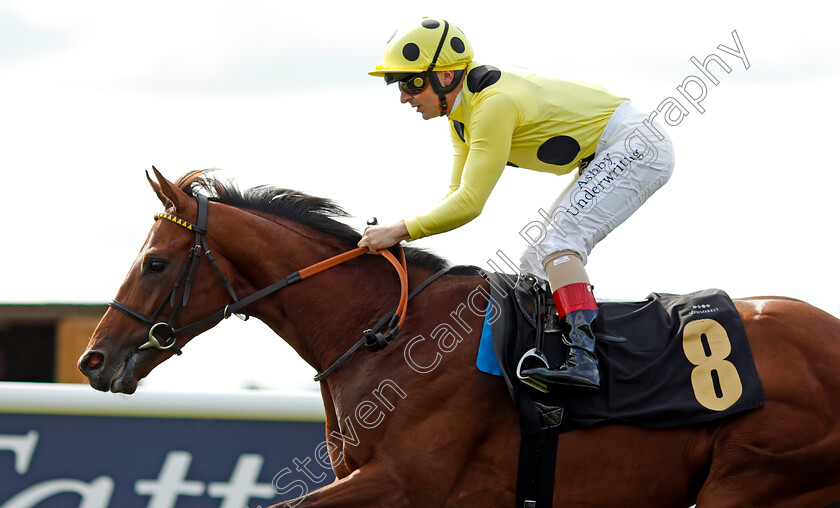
x=171 y=284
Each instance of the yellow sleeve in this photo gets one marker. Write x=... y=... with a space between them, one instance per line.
x=458 y=161
x=484 y=156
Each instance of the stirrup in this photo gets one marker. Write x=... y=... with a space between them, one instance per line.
x=533 y=383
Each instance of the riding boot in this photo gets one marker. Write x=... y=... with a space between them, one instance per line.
x=577 y=308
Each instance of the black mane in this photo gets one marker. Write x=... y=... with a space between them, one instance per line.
x=317 y=213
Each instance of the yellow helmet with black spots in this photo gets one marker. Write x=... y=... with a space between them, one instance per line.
x=416 y=56
x=435 y=44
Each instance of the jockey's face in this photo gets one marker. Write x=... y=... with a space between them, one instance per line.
x=427 y=102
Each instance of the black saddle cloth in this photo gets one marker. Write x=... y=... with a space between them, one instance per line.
x=685 y=360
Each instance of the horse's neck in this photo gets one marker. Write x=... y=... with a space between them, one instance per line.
x=320 y=314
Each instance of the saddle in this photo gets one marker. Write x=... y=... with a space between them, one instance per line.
x=666 y=361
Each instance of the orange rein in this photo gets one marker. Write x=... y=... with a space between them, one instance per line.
x=399 y=266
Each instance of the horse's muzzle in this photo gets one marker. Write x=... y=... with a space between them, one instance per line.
x=105 y=374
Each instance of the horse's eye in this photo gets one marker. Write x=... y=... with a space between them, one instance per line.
x=156 y=265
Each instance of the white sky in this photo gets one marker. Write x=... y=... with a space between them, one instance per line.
x=94 y=93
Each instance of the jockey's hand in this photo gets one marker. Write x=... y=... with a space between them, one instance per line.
x=376 y=238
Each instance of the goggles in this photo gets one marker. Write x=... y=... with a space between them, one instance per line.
x=412 y=84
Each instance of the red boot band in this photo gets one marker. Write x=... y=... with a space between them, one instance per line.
x=574 y=297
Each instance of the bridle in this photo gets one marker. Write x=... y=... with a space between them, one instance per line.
x=373 y=339
x=185 y=278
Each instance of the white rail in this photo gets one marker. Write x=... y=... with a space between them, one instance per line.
x=70 y=399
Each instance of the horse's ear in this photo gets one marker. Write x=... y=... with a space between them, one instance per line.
x=156 y=188
x=169 y=192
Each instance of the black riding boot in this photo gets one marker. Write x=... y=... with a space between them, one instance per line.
x=581 y=367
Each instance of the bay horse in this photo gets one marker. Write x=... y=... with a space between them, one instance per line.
x=416 y=424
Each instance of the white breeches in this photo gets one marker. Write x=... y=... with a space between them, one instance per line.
x=631 y=162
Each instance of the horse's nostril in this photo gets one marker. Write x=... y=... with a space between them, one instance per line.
x=91 y=362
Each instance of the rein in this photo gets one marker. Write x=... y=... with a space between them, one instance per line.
x=373 y=338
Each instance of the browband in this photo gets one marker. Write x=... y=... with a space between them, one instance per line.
x=181 y=222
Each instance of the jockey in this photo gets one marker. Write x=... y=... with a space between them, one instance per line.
x=505 y=118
